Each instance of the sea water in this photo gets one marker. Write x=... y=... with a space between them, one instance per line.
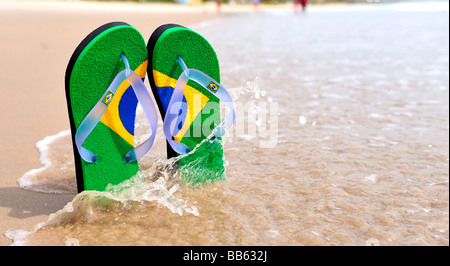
x=341 y=138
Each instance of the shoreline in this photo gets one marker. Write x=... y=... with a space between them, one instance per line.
x=142 y=7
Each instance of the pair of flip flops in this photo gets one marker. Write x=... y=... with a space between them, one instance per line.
x=105 y=82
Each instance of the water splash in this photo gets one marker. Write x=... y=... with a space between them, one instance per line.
x=174 y=185
x=57 y=174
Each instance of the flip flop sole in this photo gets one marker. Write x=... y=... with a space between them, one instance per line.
x=166 y=43
x=92 y=67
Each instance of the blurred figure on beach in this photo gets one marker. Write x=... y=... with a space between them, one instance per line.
x=256 y=5
x=219 y=5
x=302 y=3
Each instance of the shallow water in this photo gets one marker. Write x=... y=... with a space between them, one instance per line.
x=341 y=138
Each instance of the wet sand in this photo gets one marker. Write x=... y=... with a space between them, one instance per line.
x=36 y=41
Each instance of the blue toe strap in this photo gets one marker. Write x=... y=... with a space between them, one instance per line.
x=148 y=106
x=93 y=117
x=176 y=109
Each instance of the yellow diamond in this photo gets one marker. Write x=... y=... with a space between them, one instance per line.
x=213 y=87
x=108 y=98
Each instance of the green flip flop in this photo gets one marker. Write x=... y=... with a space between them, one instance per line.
x=184 y=75
x=104 y=83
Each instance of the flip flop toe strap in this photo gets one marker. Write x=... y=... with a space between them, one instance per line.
x=148 y=106
x=93 y=117
x=177 y=111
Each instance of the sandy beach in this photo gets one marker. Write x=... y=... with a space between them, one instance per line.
x=37 y=40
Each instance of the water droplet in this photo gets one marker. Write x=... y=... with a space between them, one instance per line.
x=302 y=120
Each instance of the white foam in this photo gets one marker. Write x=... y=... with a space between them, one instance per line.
x=302 y=120
x=375 y=116
x=371 y=178
x=18 y=236
x=137 y=189
x=43 y=146
x=274 y=233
